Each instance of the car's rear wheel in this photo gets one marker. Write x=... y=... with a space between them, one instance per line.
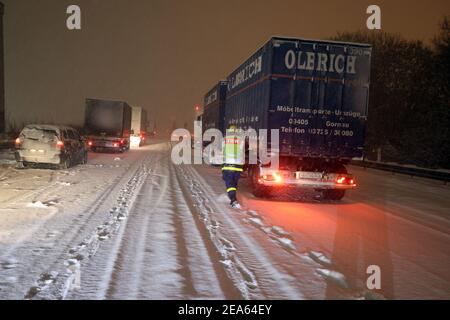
x=65 y=163
x=21 y=164
x=84 y=159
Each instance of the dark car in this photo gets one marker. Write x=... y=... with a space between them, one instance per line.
x=50 y=144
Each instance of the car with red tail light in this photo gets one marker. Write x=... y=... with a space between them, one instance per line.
x=59 y=146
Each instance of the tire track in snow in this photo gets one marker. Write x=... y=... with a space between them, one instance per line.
x=167 y=258
x=229 y=290
x=16 y=199
x=271 y=273
x=121 y=258
x=56 y=282
x=241 y=277
x=165 y=251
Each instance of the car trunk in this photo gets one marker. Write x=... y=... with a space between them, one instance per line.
x=39 y=142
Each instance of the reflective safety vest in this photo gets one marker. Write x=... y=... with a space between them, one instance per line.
x=233 y=153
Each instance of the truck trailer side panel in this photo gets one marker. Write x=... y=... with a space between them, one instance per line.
x=314 y=92
x=112 y=118
x=214 y=107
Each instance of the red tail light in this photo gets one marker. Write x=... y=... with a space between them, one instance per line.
x=340 y=180
x=276 y=177
x=18 y=142
x=346 y=180
x=89 y=143
x=60 y=144
x=115 y=144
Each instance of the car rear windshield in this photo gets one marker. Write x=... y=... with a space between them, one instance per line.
x=39 y=134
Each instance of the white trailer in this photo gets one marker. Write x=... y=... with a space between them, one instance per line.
x=138 y=127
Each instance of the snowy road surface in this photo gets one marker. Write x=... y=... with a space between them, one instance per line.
x=135 y=226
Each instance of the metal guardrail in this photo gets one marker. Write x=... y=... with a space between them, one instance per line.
x=412 y=171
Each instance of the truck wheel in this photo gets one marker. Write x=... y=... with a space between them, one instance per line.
x=333 y=194
x=261 y=191
x=258 y=190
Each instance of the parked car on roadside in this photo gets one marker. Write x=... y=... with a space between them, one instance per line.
x=50 y=144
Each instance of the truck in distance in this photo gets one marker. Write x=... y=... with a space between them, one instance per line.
x=107 y=125
x=139 y=125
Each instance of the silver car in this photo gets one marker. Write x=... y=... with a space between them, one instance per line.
x=50 y=144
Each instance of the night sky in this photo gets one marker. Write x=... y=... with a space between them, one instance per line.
x=164 y=55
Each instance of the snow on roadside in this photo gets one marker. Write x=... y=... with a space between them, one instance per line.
x=7 y=157
x=320 y=258
x=334 y=276
x=37 y=204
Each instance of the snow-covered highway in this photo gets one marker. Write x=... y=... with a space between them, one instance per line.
x=136 y=226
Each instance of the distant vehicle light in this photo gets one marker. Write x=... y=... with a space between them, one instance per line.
x=60 y=144
x=18 y=141
x=115 y=145
x=89 y=143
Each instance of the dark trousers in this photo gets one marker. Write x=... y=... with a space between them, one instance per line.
x=231 y=179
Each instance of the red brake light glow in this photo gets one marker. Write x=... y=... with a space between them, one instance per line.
x=277 y=177
x=18 y=141
x=89 y=143
x=346 y=180
x=59 y=143
x=115 y=145
x=340 y=180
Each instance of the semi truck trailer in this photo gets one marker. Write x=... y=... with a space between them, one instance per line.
x=138 y=126
x=213 y=116
x=107 y=125
x=315 y=93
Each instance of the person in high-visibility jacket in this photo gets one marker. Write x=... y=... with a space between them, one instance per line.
x=234 y=160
